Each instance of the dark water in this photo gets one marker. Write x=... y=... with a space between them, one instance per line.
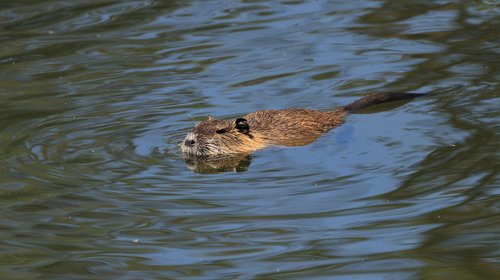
x=96 y=95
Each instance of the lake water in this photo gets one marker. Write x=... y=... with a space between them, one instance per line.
x=96 y=95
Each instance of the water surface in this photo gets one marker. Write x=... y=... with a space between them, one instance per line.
x=96 y=95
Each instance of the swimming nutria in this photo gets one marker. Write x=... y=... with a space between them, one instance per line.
x=264 y=128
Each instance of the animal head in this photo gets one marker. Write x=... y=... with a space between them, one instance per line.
x=218 y=137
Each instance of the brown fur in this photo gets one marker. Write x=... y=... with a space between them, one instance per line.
x=260 y=129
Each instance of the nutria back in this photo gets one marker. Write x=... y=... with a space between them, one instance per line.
x=260 y=129
x=292 y=127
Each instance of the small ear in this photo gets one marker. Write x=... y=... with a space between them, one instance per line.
x=242 y=125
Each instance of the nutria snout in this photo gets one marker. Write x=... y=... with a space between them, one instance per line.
x=264 y=128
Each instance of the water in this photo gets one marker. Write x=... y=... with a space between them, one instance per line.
x=96 y=95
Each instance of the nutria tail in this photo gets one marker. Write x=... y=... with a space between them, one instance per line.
x=377 y=98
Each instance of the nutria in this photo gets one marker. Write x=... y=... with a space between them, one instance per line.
x=264 y=128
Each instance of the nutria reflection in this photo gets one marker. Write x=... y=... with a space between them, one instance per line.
x=218 y=164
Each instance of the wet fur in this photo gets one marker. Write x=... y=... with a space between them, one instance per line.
x=260 y=129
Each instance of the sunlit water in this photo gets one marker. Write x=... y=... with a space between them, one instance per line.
x=96 y=95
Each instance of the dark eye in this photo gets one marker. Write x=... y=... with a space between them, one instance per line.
x=220 y=131
x=242 y=125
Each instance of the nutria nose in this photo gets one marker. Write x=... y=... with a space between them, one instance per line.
x=189 y=142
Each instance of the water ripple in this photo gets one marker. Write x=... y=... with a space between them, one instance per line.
x=96 y=96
